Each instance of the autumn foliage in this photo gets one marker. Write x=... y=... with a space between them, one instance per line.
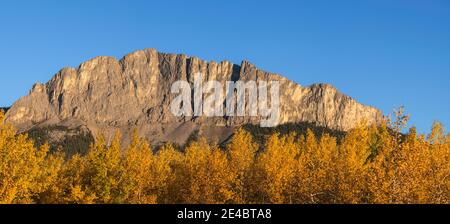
x=371 y=164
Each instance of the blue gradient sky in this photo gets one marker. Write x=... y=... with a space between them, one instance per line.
x=384 y=53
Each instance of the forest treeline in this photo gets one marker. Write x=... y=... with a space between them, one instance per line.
x=370 y=164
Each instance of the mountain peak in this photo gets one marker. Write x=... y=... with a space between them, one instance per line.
x=105 y=94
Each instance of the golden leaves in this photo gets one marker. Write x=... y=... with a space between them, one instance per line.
x=369 y=165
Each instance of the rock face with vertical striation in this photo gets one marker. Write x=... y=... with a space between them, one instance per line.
x=104 y=94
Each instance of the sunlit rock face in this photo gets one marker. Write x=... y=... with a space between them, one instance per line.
x=105 y=94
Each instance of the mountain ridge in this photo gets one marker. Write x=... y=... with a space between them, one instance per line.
x=105 y=94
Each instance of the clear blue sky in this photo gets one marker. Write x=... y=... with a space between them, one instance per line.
x=385 y=53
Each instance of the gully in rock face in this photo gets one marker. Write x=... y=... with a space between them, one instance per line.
x=209 y=99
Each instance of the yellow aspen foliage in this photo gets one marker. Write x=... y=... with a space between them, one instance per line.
x=414 y=161
x=167 y=160
x=438 y=172
x=22 y=178
x=277 y=167
x=382 y=166
x=48 y=182
x=351 y=166
x=304 y=178
x=370 y=164
x=72 y=183
x=242 y=152
x=102 y=171
x=325 y=163
x=386 y=178
x=316 y=170
x=437 y=135
x=79 y=196
x=137 y=181
x=205 y=175
x=447 y=140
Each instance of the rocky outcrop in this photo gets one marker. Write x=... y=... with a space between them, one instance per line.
x=105 y=94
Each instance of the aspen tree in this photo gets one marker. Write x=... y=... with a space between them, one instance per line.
x=47 y=184
x=242 y=152
x=305 y=182
x=73 y=183
x=20 y=167
x=438 y=186
x=277 y=165
x=137 y=182
x=205 y=175
x=316 y=176
x=385 y=170
x=103 y=169
x=168 y=161
x=352 y=168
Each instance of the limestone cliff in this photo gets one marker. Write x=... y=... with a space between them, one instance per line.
x=105 y=94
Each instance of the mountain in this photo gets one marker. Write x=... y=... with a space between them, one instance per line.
x=104 y=94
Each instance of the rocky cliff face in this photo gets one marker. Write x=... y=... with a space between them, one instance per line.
x=105 y=94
